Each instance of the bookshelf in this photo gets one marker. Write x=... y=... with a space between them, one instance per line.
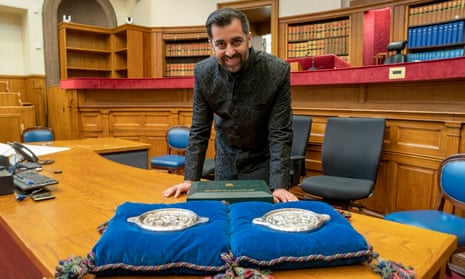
x=120 y=53
x=85 y=51
x=436 y=30
x=91 y=51
x=128 y=43
x=182 y=50
x=319 y=38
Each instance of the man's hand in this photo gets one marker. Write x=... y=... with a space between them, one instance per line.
x=177 y=189
x=283 y=195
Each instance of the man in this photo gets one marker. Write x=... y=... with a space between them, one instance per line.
x=247 y=94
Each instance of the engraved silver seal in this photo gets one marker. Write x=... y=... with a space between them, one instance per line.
x=292 y=220
x=167 y=219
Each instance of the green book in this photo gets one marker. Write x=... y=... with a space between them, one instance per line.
x=230 y=191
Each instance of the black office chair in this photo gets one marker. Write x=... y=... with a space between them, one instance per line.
x=398 y=57
x=301 y=126
x=350 y=157
x=37 y=134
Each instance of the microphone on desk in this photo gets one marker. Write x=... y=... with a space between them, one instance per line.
x=312 y=68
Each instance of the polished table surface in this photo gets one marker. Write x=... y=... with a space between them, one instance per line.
x=104 y=145
x=91 y=187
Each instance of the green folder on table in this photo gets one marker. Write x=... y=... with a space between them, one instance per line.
x=230 y=191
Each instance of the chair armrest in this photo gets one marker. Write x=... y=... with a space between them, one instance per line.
x=297 y=157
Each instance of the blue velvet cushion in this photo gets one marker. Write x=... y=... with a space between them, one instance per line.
x=257 y=246
x=125 y=248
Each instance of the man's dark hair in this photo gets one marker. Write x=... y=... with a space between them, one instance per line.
x=223 y=17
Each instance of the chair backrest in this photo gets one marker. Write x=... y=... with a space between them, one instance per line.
x=37 y=133
x=396 y=58
x=301 y=126
x=451 y=180
x=352 y=147
x=177 y=138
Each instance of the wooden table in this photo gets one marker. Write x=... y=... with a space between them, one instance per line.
x=128 y=152
x=35 y=235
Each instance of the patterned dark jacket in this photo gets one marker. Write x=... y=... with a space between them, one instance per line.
x=251 y=110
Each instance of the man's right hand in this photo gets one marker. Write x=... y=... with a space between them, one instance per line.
x=177 y=189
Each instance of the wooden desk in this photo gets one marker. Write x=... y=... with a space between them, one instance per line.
x=128 y=152
x=35 y=235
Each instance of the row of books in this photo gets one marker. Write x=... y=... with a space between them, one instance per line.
x=432 y=55
x=318 y=30
x=188 y=49
x=179 y=69
x=437 y=12
x=436 y=34
x=338 y=46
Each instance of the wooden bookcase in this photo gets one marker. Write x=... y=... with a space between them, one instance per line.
x=436 y=30
x=331 y=32
x=128 y=42
x=182 y=48
x=120 y=52
x=130 y=51
x=318 y=38
x=90 y=51
x=85 y=51
x=405 y=14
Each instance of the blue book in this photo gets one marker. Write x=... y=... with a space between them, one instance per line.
x=460 y=30
x=429 y=35
x=434 y=35
x=410 y=38
x=414 y=40
x=440 y=34
x=448 y=34
x=455 y=32
x=424 y=36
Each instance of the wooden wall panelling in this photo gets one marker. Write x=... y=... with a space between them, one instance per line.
x=356 y=39
x=11 y=127
x=157 y=52
x=398 y=23
x=14 y=119
x=142 y=124
x=10 y=99
x=150 y=57
x=33 y=92
x=63 y=113
x=4 y=86
x=462 y=138
x=28 y=118
x=36 y=95
x=135 y=46
x=147 y=125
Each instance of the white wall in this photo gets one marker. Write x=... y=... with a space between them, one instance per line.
x=195 y=12
x=21 y=34
x=299 y=7
x=11 y=50
x=21 y=39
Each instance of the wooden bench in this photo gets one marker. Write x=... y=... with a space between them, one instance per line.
x=10 y=99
